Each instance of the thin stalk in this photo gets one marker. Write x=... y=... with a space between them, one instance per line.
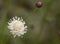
x=43 y=19
x=4 y=18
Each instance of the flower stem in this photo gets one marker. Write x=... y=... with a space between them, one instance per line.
x=4 y=18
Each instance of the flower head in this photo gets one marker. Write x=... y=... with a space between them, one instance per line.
x=17 y=27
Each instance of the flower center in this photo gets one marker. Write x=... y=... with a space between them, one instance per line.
x=17 y=25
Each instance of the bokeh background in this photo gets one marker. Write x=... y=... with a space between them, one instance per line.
x=43 y=23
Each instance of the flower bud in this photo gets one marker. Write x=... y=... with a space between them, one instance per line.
x=39 y=4
x=59 y=33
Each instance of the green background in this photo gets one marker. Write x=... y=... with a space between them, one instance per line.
x=43 y=23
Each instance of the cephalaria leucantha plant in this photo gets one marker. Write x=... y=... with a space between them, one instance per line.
x=17 y=26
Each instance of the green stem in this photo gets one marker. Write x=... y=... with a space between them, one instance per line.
x=43 y=19
x=34 y=11
x=4 y=18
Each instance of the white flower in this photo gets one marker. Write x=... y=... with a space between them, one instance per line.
x=17 y=27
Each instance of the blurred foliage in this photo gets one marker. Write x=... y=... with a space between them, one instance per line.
x=43 y=23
